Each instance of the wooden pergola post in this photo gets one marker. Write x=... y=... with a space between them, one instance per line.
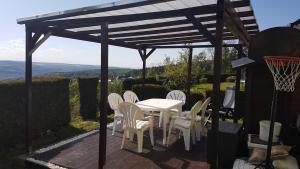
x=189 y=77
x=103 y=104
x=216 y=83
x=28 y=84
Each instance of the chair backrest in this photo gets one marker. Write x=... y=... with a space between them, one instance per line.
x=176 y=95
x=229 y=98
x=195 y=110
x=131 y=113
x=130 y=96
x=203 y=109
x=114 y=100
x=199 y=106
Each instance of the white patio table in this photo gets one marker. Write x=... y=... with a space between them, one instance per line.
x=162 y=105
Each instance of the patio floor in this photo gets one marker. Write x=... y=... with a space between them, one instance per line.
x=82 y=153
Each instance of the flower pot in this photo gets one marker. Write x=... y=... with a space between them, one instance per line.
x=265 y=128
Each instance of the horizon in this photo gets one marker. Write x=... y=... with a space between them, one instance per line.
x=59 y=50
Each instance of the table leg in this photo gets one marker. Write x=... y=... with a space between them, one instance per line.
x=165 y=122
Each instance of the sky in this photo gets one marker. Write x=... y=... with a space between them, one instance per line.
x=269 y=13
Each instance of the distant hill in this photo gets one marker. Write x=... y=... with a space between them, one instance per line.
x=16 y=69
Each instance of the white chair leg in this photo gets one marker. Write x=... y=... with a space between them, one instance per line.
x=114 y=125
x=198 y=132
x=140 y=140
x=193 y=135
x=160 y=119
x=123 y=140
x=151 y=135
x=131 y=136
x=186 y=137
x=170 y=131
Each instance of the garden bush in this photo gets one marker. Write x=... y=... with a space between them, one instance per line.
x=194 y=98
x=128 y=83
x=50 y=108
x=115 y=87
x=149 y=91
x=203 y=80
x=210 y=77
x=88 y=97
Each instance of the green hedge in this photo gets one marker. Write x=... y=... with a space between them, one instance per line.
x=50 y=108
x=88 y=97
x=194 y=98
x=210 y=77
x=128 y=83
x=150 y=91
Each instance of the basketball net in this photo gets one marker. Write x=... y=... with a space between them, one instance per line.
x=285 y=71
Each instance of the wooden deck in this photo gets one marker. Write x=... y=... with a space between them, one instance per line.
x=83 y=154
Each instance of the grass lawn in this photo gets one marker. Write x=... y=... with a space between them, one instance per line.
x=77 y=126
x=208 y=86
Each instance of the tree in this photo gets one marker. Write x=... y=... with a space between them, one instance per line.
x=176 y=70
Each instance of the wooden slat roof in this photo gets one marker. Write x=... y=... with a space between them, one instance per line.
x=143 y=23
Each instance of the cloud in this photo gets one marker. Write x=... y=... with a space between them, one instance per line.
x=15 y=50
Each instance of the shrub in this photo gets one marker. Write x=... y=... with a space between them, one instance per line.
x=115 y=87
x=203 y=80
x=194 y=98
x=128 y=83
x=50 y=108
x=231 y=79
x=210 y=77
x=88 y=97
x=74 y=97
x=149 y=91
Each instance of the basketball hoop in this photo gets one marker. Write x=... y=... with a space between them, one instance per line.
x=285 y=71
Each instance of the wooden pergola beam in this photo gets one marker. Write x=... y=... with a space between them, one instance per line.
x=161 y=24
x=234 y=23
x=190 y=46
x=40 y=42
x=167 y=30
x=146 y=45
x=73 y=35
x=202 y=29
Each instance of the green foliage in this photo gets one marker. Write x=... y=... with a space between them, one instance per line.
x=115 y=87
x=210 y=77
x=50 y=108
x=74 y=97
x=150 y=91
x=128 y=83
x=88 y=97
x=176 y=70
x=194 y=98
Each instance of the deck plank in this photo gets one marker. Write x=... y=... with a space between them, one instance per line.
x=83 y=153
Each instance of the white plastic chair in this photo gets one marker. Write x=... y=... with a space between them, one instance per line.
x=187 y=125
x=130 y=96
x=114 y=100
x=174 y=95
x=200 y=120
x=135 y=122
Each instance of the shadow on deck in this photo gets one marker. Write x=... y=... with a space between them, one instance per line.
x=82 y=153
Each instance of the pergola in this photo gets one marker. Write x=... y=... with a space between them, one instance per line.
x=144 y=25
